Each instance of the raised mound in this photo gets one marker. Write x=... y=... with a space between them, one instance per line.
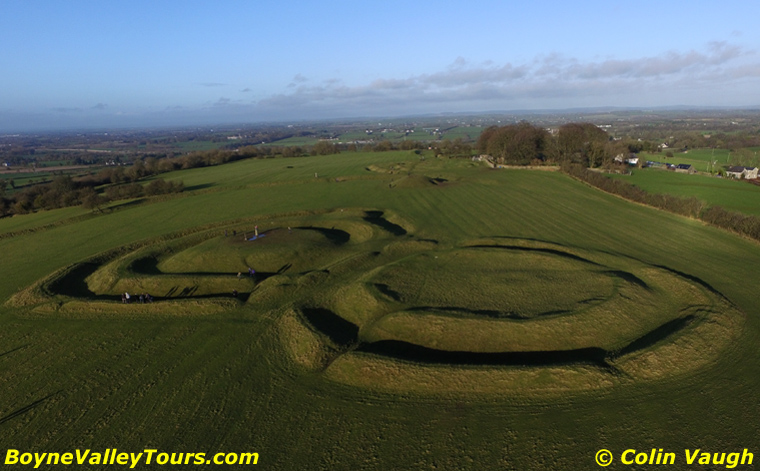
x=224 y=264
x=526 y=316
x=495 y=283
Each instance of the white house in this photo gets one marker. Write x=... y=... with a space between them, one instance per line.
x=748 y=173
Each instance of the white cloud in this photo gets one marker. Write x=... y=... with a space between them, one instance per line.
x=543 y=81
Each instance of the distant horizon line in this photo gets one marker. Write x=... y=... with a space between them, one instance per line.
x=283 y=121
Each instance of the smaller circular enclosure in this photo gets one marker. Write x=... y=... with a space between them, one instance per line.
x=495 y=282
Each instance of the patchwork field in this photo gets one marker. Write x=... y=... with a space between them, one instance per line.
x=378 y=311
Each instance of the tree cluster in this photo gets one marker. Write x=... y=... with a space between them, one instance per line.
x=449 y=148
x=514 y=144
x=524 y=143
x=325 y=148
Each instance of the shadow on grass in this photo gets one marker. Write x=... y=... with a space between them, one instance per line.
x=654 y=336
x=73 y=284
x=27 y=408
x=345 y=334
x=14 y=350
x=128 y=204
x=336 y=236
x=145 y=266
x=149 y=266
x=377 y=218
x=519 y=248
x=387 y=291
x=410 y=352
x=202 y=186
x=629 y=277
x=696 y=280
x=336 y=328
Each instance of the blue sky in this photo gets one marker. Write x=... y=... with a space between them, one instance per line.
x=145 y=63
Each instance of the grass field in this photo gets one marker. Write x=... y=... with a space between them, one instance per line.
x=194 y=146
x=404 y=314
x=706 y=160
x=701 y=159
x=302 y=141
x=730 y=194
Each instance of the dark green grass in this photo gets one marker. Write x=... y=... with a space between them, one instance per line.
x=222 y=382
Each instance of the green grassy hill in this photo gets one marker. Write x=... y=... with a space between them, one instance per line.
x=361 y=342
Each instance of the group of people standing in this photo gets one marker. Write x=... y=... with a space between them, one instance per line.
x=251 y=273
x=144 y=298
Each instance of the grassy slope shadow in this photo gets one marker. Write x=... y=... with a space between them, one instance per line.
x=377 y=218
x=73 y=284
x=336 y=236
x=410 y=352
x=336 y=328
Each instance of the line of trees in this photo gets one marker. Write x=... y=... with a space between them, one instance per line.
x=65 y=191
x=690 y=207
x=741 y=223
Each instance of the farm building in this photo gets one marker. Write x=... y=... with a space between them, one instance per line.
x=685 y=168
x=748 y=173
x=632 y=159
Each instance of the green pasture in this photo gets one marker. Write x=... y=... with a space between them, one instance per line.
x=26 y=178
x=195 y=146
x=355 y=136
x=43 y=173
x=706 y=160
x=443 y=254
x=54 y=163
x=466 y=133
x=730 y=194
x=301 y=141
